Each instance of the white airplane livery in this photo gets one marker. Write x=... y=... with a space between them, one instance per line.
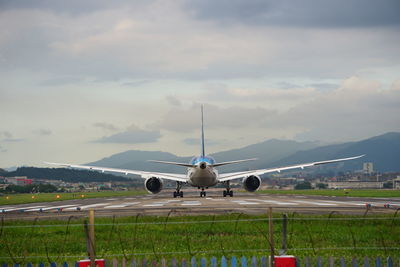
x=202 y=172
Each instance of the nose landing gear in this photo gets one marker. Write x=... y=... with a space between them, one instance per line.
x=228 y=191
x=202 y=192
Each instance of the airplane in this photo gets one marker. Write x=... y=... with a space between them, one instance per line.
x=202 y=172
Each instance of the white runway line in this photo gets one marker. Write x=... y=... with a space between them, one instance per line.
x=280 y=202
x=315 y=203
x=191 y=203
x=24 y=208
x=50 y=208
x=154 y=205
x=244 y=202
x=122 y=205
x=89 y=206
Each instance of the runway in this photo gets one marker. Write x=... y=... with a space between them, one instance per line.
x=214 y=203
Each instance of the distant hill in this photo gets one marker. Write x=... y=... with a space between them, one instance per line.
x=382 y=150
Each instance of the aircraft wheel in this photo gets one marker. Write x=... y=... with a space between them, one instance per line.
x=224 y=193
x=181 y=194
x=231 y=193
x=175 y=195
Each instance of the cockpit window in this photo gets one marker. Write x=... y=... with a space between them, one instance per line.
x=207 y=159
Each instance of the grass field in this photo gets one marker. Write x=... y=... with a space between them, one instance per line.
x=201 y=236
x=48 y=197
x=338 y=193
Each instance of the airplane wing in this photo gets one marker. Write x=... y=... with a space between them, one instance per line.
x=143 y=174
x=232 y=162
x=223 y=177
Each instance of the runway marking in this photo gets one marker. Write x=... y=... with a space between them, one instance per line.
x=191 y=203
x=122 y=205
x=244 y=202
x=89 y=206
x=50 y=208
x=111 y=198
x=23 y=208
x=154 y=205
x=315 y=203
x=280 y=202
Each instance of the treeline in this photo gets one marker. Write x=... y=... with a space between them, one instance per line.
x=66 y=175
x=31 y=188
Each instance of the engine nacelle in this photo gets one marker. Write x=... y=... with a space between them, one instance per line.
x=153 y=185
x=251 y=183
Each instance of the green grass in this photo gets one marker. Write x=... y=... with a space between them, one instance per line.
x=12 y=199
x=338 y=193
x=200 y=236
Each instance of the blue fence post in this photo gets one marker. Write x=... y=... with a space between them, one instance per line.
x=389 y=262
x=223 y=262
x=29 y=264
x=41 y=264
x=173 y=262
x=244 y=261
x=144 y=262
x=16 y=265
x=233 y=261
x=53 y=264
x=319 y=262
x=65 y=264
x=254 y=261
x=342 y=262
x=213 y=262
x=133 y=262
x=354 y=262
x=307 y=262
x=366 y=262
x=184 y=263
x=4 y=265
x=76 y=264
x=203 y=262
x=264 y=262
x=193 y=262
x=378 y=262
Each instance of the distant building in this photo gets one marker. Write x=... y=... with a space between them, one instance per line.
x=18 y=180
x=355 y=185
x=396 y=183
x=368 y=167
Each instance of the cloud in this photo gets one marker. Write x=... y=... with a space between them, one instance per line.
x=105 y=126
x=2 y=149
x=43 y=132
x=133 y=135
x=173 y=101
x=308 y=13
x=7 y=137
x=5 y=134
x=187 y=119
x=196 y=141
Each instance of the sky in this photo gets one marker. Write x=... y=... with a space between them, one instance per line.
x=82 y=80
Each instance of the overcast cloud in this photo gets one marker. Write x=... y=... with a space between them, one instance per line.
x=74 y=75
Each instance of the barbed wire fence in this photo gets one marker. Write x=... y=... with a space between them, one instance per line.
x=188 y=236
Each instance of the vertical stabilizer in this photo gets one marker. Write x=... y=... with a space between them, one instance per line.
x=203 y=153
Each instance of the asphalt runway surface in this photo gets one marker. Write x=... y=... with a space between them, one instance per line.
x=191 y=203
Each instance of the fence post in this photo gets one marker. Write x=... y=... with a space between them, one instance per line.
x=307 y=262
x=366 y=262
x=284 y=230
x=342 y=263
x=233 y=261
x=354 y=262
x=203 y=262
x=193 y=262
x=133 y=262
x=244 y=261
x=319 y=261
x=213 y=262
x=271 y=237
x=331 y=262
x=173 y=262
x=378 y=262
x=223 y=262
x=264 y=262
x=254 y=261
x=389 y=262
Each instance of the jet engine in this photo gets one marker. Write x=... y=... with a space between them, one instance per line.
x=153 y=185
x=251 y=183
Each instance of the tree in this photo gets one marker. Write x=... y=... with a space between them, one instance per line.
x=303 y=185
x=321 y=186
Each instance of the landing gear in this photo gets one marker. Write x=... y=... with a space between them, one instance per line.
x=178 y=192
x=202 y=193
x=228 y=191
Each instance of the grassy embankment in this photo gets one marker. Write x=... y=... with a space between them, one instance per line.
x=337 y=193
x=13 y=199
x=201 y=236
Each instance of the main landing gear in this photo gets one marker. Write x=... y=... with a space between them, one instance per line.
x=178 y=192
x=228 y=191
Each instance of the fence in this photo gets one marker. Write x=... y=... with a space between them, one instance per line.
x=223 y=236
x=234 y=262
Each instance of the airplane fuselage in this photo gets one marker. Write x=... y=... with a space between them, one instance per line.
x=202 y=174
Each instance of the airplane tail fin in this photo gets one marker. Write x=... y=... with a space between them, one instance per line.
x=203 y=153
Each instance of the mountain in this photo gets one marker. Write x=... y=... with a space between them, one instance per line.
x=382 y=150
